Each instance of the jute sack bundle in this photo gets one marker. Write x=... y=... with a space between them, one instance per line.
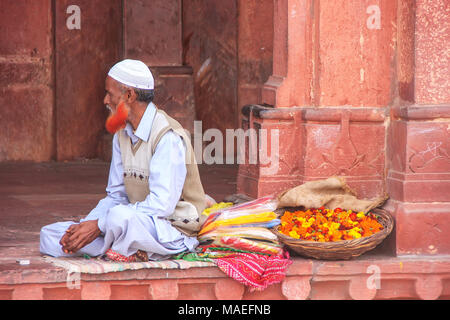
x=330 y=193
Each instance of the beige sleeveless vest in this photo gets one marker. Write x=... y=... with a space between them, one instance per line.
x=187 y=216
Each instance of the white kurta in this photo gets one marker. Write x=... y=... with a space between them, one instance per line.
x=128 y=227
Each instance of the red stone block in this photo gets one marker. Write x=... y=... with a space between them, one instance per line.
x=272 y=292
x=26 y=28
x=396 y=289
x=83 y=58
x=152 y=31
x=6 y=294
x=296 y=288
x=196 y=291
x=405 y=49
x=419 y=154
x=229 y=289
x=29 y=292
x=432 y=70
x=356 y=46
x=61 y=293
x=255 y=52
x=330 y=290
x=95 y=290
x=345 y=149
x=429 y=287
x=428 y=147
x=164 y=290
x=26 y=72
x=27 y=115
x=129 y=292
x=174 y=93
x=315 y=144
x=210 y=47
x=293 y=38
x=360 y=290
x=422 y=229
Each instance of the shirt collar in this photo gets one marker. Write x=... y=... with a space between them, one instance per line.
x=145 y=125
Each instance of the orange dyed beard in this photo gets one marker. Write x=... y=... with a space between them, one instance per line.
x=117 y=120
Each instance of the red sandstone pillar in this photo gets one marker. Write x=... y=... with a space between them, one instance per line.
x=87 y=43
x=419 y=136
x=330 y=87
x=27 y=118
x=289 y=84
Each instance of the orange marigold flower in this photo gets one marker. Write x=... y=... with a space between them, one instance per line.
x=328 y=225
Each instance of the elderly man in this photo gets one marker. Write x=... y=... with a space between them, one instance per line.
x=154 y=194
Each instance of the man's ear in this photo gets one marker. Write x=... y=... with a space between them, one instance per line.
x=130 y=95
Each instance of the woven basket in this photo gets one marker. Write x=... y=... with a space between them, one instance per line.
x=339 y=250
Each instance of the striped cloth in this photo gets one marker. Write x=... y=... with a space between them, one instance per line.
x=254 y=270
x=99 y=266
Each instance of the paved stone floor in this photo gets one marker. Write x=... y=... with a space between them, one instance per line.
x=36 y=194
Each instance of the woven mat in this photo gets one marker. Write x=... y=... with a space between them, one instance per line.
x=98 y=266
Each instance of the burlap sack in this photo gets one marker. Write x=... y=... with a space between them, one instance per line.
x=330 y=193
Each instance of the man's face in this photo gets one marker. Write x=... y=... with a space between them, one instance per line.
x=114 y=101
x=113 y=93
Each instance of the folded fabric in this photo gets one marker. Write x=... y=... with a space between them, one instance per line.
x=268 y=224
x=115 y=256
x=240 y=231
x=248 y=245
x=216 y=207
x=260 y=205
x=254 y=270
x=240 y=220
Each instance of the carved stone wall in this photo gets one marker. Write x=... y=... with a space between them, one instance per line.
x=360 y=91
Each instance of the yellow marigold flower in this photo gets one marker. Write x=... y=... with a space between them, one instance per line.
x=335 y=225
x=354 y=233
x=306 y=225
x=360 y=215
x=294 y=234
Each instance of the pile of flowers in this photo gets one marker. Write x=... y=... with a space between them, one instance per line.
x=326 y=225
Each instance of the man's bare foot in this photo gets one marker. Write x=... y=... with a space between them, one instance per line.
x=141 y=256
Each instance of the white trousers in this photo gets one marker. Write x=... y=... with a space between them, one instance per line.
x=126 y=231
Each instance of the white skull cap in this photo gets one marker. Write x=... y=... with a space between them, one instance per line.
x=133 y=73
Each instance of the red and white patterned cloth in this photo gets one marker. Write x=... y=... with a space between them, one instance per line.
x=255 y=270
x=114 y=256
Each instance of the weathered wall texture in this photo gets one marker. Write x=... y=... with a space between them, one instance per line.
x=26 y=70
x=418 y=144
x=355 y=52
x=153 y=31
x=432 y=55
x=210 y=47
x=360 y=90
x=83 y=58
x=255 y=50
x=210 y=58
x=332 y=69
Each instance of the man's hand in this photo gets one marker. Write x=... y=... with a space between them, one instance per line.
x=79 y=235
